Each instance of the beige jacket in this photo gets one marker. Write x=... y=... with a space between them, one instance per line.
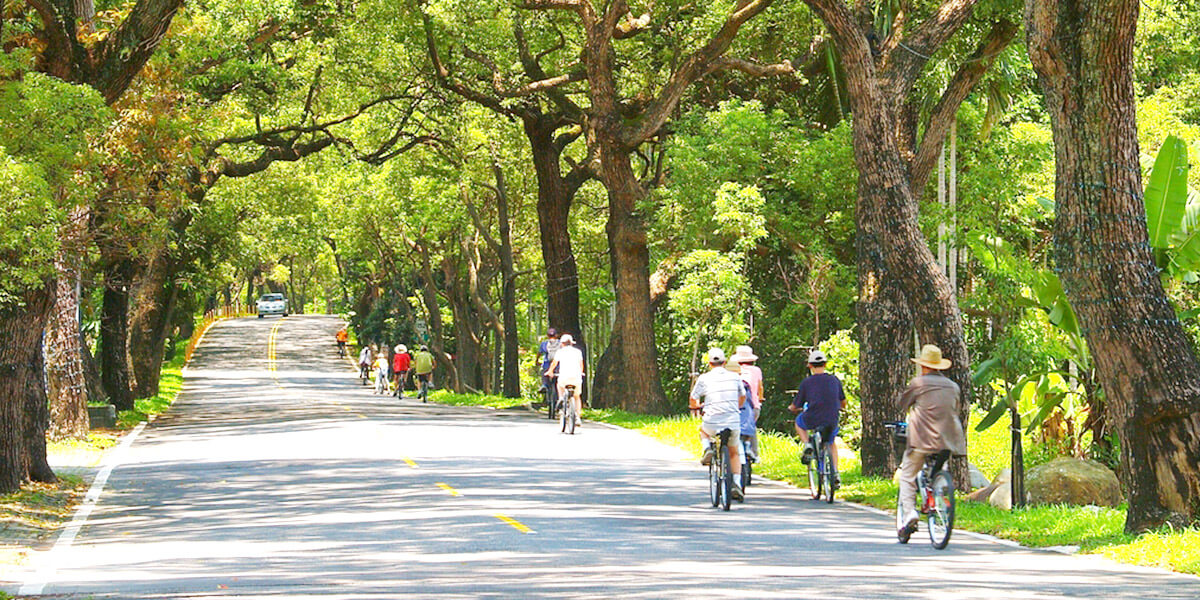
x=934 y=424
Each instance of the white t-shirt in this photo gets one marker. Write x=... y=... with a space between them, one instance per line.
x=719 y=388
x=570 y=365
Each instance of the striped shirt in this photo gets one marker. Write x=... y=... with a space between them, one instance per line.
x=720 y=390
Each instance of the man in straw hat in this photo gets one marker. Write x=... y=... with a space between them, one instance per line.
x=933 y=426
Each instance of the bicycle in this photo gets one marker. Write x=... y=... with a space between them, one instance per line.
x=401 y=377
x=567 y=411
x=341 y=349
x=935 y=493
x=364 y=373
x=822 y=472
x=550 y=396
x=747 y=462
x=720 y=474
x=423 y=386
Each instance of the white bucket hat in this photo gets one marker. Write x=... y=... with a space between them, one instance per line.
x=744 y=354
x=716 y=355
x=566 y=339
x=400 y=349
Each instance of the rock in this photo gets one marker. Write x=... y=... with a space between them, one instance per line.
x=1073 y=481
x=978 y=479
x=1002 y=496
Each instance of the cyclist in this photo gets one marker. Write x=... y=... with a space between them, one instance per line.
x=382 y=366
x=818 y=403
x=546 y=353
x=423 y=364
x=721 y=395
x=365 y=358
x=933 y=426
x=342 y=337
x=401 y=364
x=569 y=362
x=752 y=375
x=748 y=421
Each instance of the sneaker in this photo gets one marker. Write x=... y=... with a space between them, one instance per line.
x=906 y=532
x=735 y=492
x=808 y=456
x=708 y=456
x=578 y=422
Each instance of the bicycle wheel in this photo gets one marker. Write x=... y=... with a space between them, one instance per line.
x=714 y=482
x=551 y=404
x=569 y=414
x=814 y=478
x=726 y=479
x=829 y=472
x=941 y=517
x=747 y=469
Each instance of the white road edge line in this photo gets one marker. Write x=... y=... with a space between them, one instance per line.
x=35 y=584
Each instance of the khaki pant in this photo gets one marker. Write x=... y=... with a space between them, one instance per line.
x=914 y=461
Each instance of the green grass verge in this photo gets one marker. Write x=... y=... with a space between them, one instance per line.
x=452 y=399
x=1094 y=530
x=169 y=384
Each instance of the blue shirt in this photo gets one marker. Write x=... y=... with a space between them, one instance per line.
x=747 y=411
x=821 y=397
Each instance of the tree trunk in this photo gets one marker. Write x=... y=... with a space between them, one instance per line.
x=555 y=196
x=1018 y=459
x=886 y=340
x=148 y=326
x=114 y=335
x=65 y=377
x=21 y=378
x=508 y=296
x=635 y=385
x=1083 y=54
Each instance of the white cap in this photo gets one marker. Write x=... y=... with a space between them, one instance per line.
x=716 y=355
x=566 y=339
x=817 y=357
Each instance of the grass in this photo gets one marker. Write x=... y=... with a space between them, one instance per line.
x=452 y=399
x=169 y=384
x=30 y=516
x=1095 y=530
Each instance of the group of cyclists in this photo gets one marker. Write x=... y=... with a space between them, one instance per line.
x=393 y=368
x=729 y=396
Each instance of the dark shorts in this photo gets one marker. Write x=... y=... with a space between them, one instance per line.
x=800 y=423
x=424 y=376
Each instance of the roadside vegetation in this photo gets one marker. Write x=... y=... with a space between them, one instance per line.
x=1095 y=530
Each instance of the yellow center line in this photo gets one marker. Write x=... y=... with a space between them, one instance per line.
x=519 y=526
x=411 y=463
x=453 y=492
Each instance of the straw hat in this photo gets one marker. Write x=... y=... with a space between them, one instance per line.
x=931 y=356
x=744 y=354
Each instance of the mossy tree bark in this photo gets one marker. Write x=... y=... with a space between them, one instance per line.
x=1083 y=54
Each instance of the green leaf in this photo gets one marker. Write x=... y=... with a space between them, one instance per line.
x=992 y=416
x=983 y=374
x=1166 y=192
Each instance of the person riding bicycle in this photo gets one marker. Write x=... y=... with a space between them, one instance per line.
x=401 y=365
x=342 y=337
x=569 y=362
x=382 y=368
x=366 y=356
x=933 y=426
x=818 y=404
x=748 y=419
x=547 y=350
x=423 y=364
x=721 y=394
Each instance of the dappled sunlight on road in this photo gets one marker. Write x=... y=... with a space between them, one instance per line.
x=301 y=483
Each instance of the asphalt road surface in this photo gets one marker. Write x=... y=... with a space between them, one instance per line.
x=277 y=475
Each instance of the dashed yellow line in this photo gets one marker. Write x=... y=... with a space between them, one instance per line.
x=411 y=463
x=452 y=491
x=519 y=526
x=271 y=362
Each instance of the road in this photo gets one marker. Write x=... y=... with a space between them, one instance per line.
x=276 y=475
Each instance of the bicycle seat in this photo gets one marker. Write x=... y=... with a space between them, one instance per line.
x=570 y=387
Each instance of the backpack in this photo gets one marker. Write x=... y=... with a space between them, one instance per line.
x=552 y=346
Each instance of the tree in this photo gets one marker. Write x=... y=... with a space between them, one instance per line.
x=1083 y=55
x=616 y=128
x=900 y=283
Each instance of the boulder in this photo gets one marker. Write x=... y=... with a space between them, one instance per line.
x=985 y=494
x=1073 y=481
x=978 y=479
x=1002 y=496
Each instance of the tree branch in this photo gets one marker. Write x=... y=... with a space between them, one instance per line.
x=903 y=63
x=752 y=68
x=123 y=53
x=692 y=68
x=960 y=87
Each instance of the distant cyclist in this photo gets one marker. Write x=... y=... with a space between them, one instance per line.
x=423 y=365
x=382 y=369
x=546 y=352
x=401 y=365
x=343 y=336
x=818 y=404
x=569 y=362
x=721 y=395
x=366 y=357
x=933 y=426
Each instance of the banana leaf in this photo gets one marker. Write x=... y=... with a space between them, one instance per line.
x=1166 y=192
